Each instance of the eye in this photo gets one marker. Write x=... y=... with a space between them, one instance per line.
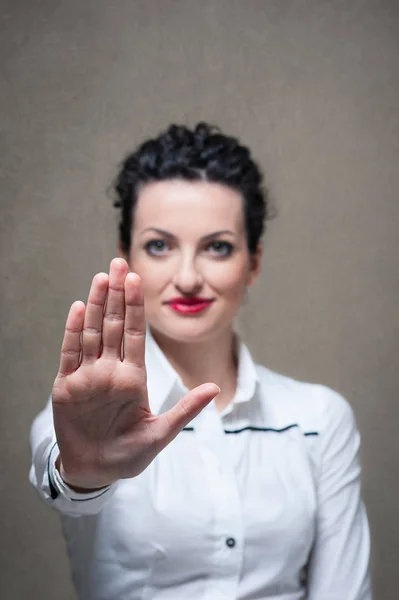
x=221 y=248
x=156 y=247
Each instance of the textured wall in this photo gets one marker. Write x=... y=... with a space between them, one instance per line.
x=312 y=86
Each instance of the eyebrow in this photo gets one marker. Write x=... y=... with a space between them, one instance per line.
x=204 y=238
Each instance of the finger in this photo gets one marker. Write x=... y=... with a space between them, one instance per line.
x=71 y=344
x=114 y=317
x=135 y=327
x=186 y=409
x=93 y=322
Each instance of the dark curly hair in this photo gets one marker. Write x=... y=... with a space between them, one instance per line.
x=203 y=153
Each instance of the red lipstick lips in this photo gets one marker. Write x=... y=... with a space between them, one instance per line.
x=189 y=305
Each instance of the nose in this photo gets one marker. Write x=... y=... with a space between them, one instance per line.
x=187 y=279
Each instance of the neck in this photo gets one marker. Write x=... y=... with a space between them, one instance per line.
x=213 y=361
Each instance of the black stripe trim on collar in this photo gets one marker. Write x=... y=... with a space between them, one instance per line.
x=253 y=428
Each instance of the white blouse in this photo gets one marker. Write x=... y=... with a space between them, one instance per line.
x=259 y=502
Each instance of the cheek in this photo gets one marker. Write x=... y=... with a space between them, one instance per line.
x=153 y=275
x=229 y=279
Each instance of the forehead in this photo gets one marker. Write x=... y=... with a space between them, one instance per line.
x=184 y=206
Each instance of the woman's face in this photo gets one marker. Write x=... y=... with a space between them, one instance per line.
x=189 y=243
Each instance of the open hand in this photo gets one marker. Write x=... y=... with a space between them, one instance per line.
x=104 y=427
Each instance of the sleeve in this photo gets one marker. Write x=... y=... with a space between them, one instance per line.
x=45 y=478
x=339 y=562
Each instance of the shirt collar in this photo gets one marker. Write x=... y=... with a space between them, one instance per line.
x=247 y=376
x=165 y=383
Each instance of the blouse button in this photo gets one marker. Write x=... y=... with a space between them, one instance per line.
x=230 y=542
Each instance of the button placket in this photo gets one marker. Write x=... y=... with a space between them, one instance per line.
x=223 y=489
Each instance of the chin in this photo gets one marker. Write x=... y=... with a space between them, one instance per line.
x=187 y=329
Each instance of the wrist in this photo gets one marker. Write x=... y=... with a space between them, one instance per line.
x=70 y=484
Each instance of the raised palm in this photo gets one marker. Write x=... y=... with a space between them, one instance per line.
x=104 y=427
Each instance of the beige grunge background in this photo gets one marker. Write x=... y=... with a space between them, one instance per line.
x=313 y=87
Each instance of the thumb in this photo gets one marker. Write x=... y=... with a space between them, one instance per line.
x=186 y=409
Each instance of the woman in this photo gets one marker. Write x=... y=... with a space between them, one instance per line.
x=246 y=487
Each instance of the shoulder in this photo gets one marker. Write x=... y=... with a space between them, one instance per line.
x=314 y=406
